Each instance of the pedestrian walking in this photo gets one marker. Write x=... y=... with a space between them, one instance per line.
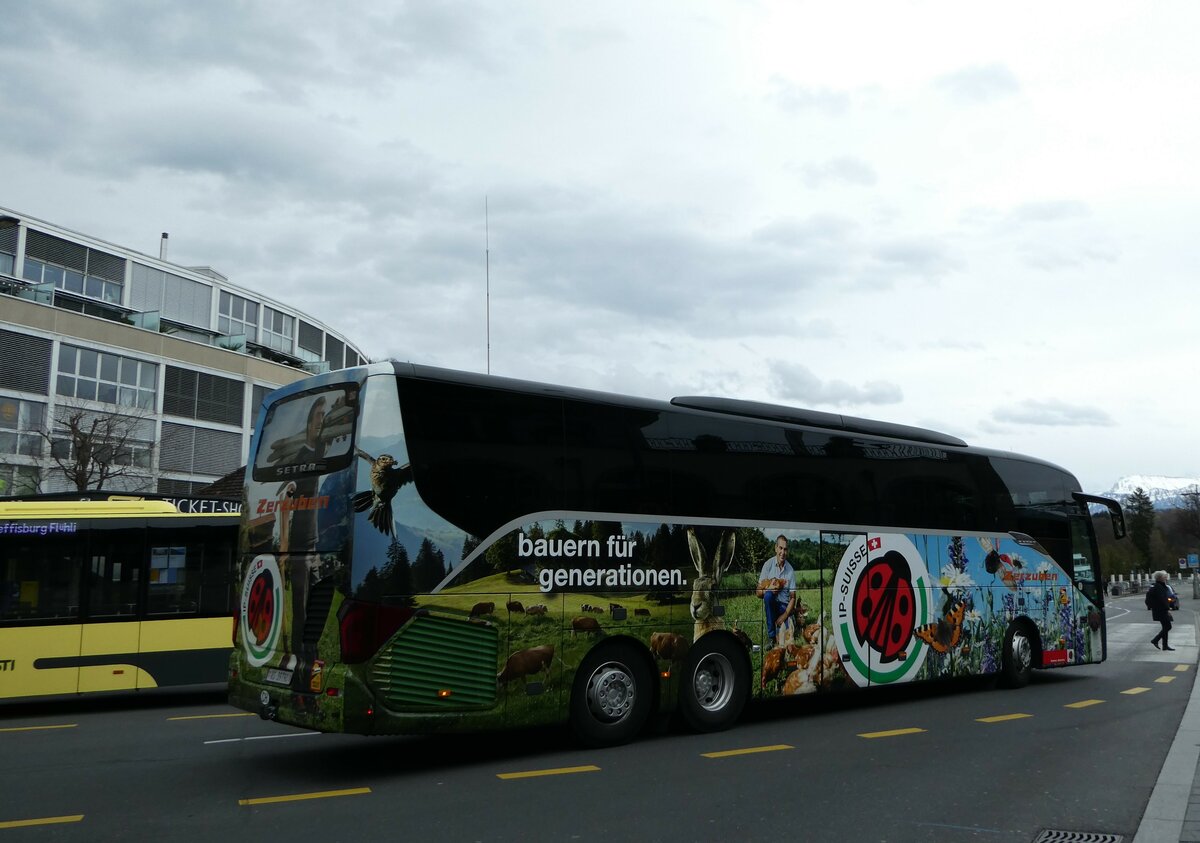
x=1158 y=602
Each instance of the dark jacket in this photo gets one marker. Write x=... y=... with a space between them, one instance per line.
x=1157 y=598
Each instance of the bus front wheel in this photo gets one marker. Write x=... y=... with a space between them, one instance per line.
x=716 y=682
x=612 y=695
x=1017 y=661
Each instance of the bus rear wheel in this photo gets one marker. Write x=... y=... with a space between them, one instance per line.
x=612 y=695
x=1016 y=665
x=716 y=682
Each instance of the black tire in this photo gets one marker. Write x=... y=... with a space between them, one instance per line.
x=715 y=684
x=1016 y=666
x=612 y=696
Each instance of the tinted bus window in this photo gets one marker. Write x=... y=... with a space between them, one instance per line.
x=190 y=570
x=113 y=568
x=729 y=468
x=40 y=576
x=482 y=457
x=616 y=459
x=924 y=486
x=833 y=481
x=1041 y=505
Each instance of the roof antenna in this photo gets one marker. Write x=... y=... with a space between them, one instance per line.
x=487 y=275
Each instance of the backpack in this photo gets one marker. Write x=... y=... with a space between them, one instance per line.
x=1149 y=600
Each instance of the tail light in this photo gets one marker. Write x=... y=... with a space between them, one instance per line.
x=364 y=628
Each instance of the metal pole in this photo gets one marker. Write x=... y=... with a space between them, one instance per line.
x=487 y=274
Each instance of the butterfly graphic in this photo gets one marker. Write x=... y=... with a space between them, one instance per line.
x=1063 y=598
x=944 y=634
x=885 y=606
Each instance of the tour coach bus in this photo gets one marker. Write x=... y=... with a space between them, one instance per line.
x=112 y=595
x=426 y=550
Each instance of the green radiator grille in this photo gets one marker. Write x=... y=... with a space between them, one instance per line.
x=433 y=654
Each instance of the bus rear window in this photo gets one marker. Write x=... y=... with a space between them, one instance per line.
x=309 y=433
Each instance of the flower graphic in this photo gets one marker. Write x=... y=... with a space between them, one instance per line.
x=955 y=578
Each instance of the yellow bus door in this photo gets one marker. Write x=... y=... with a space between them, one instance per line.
x=104 y=653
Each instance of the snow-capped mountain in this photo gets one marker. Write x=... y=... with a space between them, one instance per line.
x=1165 y=492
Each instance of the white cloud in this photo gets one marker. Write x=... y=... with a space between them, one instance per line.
x=796 y=383
x=1052 y=413
x=980 y=83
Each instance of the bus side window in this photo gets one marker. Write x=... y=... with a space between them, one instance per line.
x=216 y=594
x=174 y=577
x=40 y=580
x=612 y=459
x=114 y=563
x=189 y=571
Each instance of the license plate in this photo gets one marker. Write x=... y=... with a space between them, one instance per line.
x=279 y=677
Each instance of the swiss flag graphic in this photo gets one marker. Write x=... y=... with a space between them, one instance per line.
x=874 y=544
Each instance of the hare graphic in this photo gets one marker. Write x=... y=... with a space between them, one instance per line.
x=708 y=577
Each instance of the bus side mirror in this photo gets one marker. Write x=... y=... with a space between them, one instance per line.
x=1114 y=511
x=1118 y=522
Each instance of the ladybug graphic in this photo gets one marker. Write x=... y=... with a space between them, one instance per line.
x=885 y=606
x=260 y=608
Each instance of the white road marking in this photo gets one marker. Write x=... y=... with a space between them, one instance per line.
x=263 y=737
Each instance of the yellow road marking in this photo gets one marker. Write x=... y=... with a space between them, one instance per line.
x=1165 y=679
x=557 y=771
x=297 y=797
x=1181 y=668
x=726 y=753
x=214 y=716
x=891 y=733
x=1136 y=691
x=38 y=728
x=1083 y=703
x=74 y=818
x=1000 y=718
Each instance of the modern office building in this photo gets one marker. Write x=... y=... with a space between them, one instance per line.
x=178 y=355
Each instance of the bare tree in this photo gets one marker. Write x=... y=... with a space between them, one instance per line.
x=93 y=447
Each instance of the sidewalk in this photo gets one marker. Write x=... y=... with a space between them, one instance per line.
x=1173 y=813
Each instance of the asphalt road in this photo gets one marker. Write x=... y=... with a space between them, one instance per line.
x=1079 y=750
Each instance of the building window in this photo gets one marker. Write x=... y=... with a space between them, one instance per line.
x=8 y=244
x=277 y=330
x=195 y=450
x=128 y=452
x=199 y=395
x=25 y=362
x=335 y=352
x=258 y=397
x=72 y=281
x=73 y=267
x=21 y=423
x=110 y=378
x=238 y=316
x=19 y=480
x=310 y=343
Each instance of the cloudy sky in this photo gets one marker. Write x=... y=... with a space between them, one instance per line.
x=972 y=217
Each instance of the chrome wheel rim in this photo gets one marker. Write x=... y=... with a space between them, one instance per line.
x=1022 y=652
x=611 y=692
x=712 y=682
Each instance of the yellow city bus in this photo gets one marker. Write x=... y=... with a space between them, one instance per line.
x=426 y=550
x=112 y=595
